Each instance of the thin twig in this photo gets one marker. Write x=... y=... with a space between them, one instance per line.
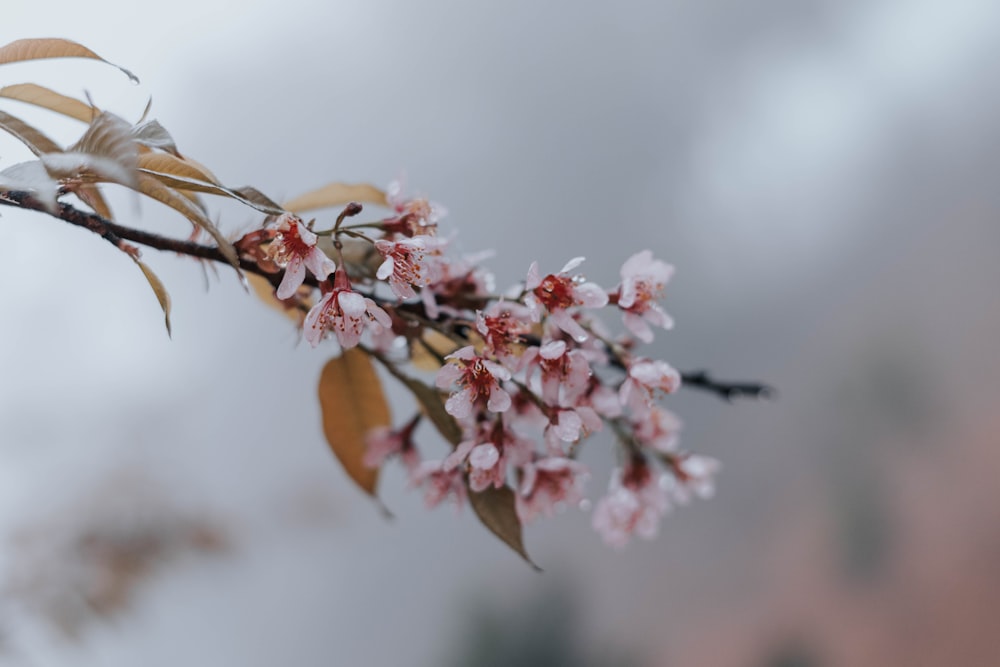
x=727 y=391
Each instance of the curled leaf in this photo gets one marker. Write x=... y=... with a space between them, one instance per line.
x=337 y=194
x=34 y=139
x=151 y=187
x=153 y=135
x=495 y=509
x=161 y=292
x=353 y=403
x=40 y=96
x=37 y=49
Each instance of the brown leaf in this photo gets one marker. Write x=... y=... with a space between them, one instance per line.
x=158 y=289
x=263 y=202
x=353 y=403
x=47 y=98
x=426 y=352
x=34 y=139
x=37 y=49
x=264 y=290
x=153 y=135
x=337 y=194
x=92 y=197
x=151 y=187
x=188 y=176
x=495 y=508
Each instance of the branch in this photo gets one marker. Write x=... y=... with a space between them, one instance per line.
x=727 y=391
x=117 y=234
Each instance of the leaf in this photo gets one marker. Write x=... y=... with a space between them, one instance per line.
x=187 y=175
x=425 y=353
x=105 y=153
x=92 y=197
x=337 y=194
x=265 y=203
x=151 y=187
x=40 y=96
x=353 y=403
x=153 y=135
x=34 y=139
x=158 y=289
x=495 y=509
x=264 y=290
x=37 y=49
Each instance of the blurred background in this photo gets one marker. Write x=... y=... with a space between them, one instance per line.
x=822 y=173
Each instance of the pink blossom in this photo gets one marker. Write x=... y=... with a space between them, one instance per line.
x=294 y=249
x=644 y=378
x=407 y=263
x=479 y=379
x=658 y=430
x=503 y=326
x=383 y=442
x=643 y=280
x=548 y=484
x=569 y=425
x=556 y=293
x=344 y=311
x=560 y=367
x=439 y=483
x=488 y=452
x=634 y=504
x=414 y=216
x=694 y=476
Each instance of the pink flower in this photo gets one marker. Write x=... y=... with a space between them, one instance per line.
x=383 y=442
x=479 y=379
x=634 y=505
x=548 y=484
x=569 y=425
x=644 y=378
x=407 y=264
x=503 y=326
x=556 y=293
x=643 y=280
x=414 y=216
x=344 y=311
x=694 y=476
x=488 y=452
x=439 y=483
x=658 y=430
x=294 y=249
x=560 y=367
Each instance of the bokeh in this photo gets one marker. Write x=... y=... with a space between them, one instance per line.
x=822 y=173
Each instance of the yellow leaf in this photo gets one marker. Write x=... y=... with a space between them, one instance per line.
x=439 y=345
x=353 y=403
x=158 y=289
x=495 y=509
x=37 y=49
x=337 y=194
x=40 y=96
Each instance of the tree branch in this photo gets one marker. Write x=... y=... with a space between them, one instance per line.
x=727 y=391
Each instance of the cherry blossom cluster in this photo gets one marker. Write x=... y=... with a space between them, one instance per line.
x=526 y=375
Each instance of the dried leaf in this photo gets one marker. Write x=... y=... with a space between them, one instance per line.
x=264 y=290
x=264 y=202
x=337 y=194
x=47 y=98
x=158 y=289
x=426 y=353
x=153 y=135
x=151 y=187
x=495 y=508
x=92 y=197
x=34 y=139
x=189 y=176
x=110 y=137
x=37 y=49
x=353 y=403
